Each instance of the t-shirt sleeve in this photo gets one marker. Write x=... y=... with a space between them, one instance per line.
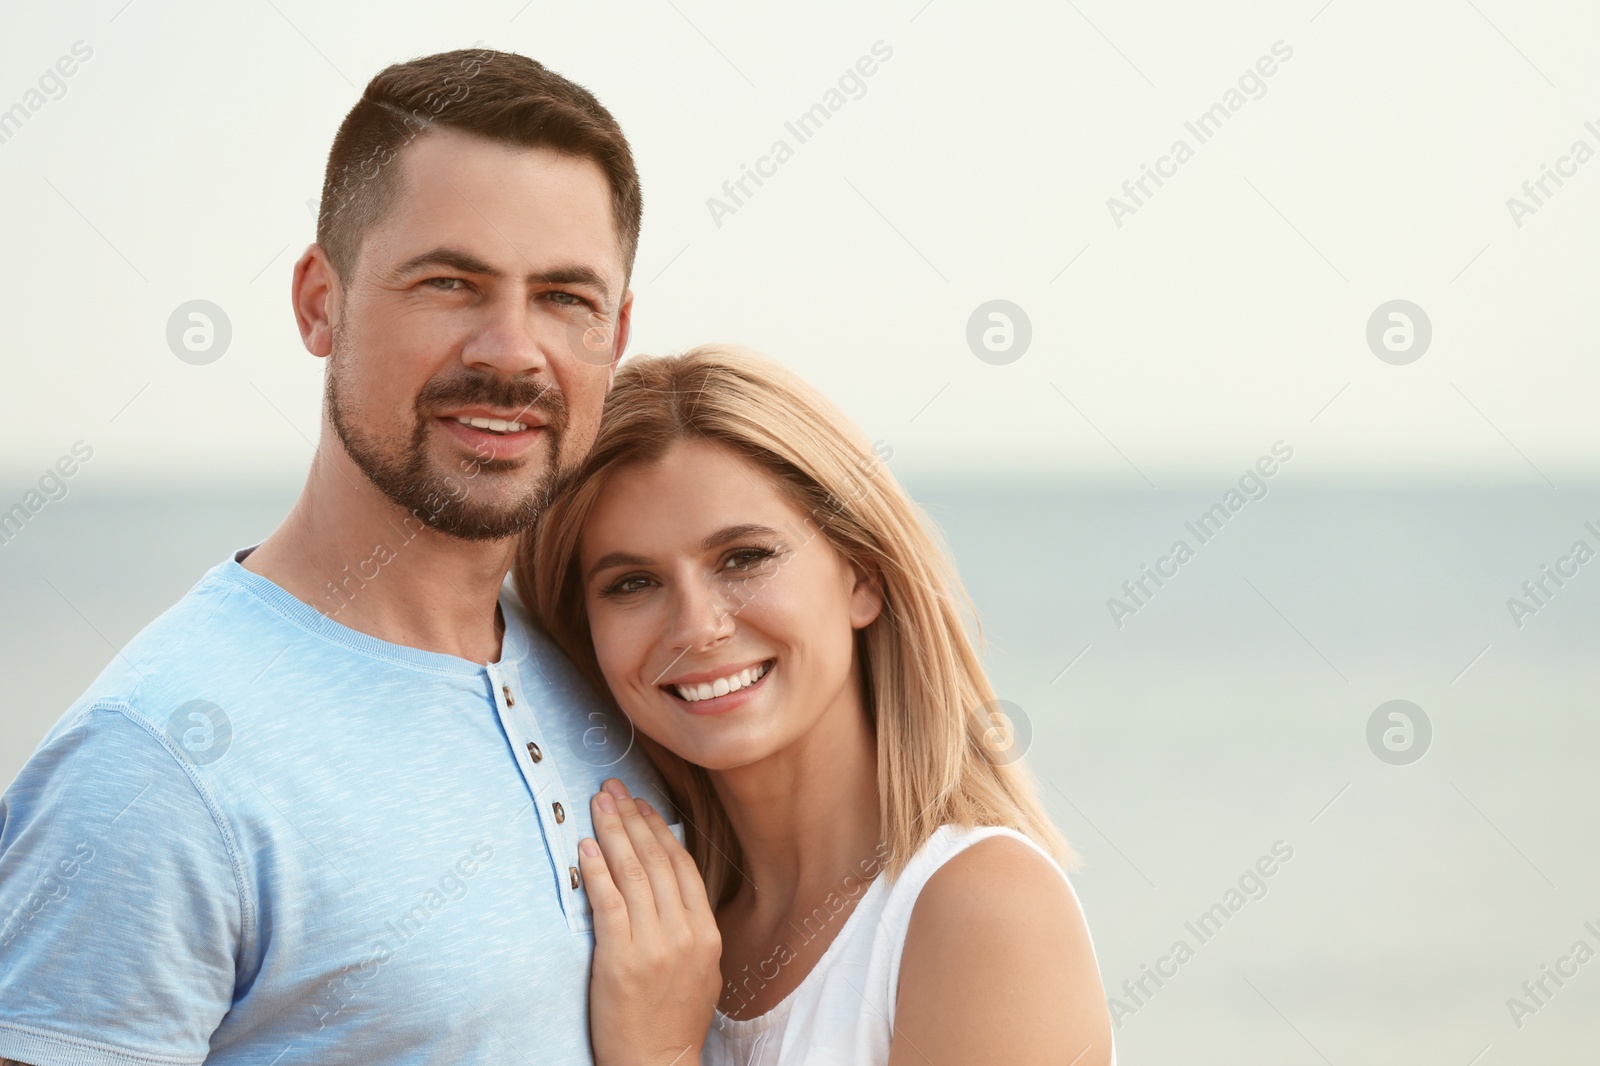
x=120 y=904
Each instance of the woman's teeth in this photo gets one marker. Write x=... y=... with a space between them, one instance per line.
x=498 y=425
x=722 y=685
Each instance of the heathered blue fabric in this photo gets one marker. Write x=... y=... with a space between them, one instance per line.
x=263 y=837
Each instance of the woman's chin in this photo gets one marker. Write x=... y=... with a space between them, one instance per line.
x=719 y=757
x=707 y=752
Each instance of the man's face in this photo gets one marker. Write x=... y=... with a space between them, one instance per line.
x=492 y=290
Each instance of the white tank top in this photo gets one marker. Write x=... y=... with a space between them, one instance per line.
x=843 y=1011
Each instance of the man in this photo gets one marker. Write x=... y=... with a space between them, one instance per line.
x=326 y=809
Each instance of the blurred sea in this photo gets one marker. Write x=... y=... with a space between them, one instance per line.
x=1229 y=714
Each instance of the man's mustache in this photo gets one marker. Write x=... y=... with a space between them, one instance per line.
x=521 y=395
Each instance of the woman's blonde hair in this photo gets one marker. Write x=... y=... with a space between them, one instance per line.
x=935 y=717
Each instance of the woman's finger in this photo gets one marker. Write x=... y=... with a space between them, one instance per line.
x=627 y=872
x=610 y=909
x=691 y=886
x=652 y=856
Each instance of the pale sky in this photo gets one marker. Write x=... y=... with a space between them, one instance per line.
x=1228 y=311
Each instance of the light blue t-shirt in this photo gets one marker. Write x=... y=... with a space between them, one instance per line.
x=263 y=837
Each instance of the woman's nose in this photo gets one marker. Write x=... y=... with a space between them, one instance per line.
x=703 y=616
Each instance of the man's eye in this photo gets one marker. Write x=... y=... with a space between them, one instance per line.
x=567 y=299
x=446 y=284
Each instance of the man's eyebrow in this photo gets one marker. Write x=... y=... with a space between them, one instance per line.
x=465 y=262
x=449 y=258
x=573 y=274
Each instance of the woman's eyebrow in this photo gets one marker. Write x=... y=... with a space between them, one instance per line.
x=715 y=540
x=732 y=533
x=611 y=559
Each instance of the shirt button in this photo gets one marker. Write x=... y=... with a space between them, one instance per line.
x=534 y=752
x=510 y=699
x=572 y=872
x=561 y=813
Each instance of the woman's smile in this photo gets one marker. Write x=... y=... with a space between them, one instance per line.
x=719 y=690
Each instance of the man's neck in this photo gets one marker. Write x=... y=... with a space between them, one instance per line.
x=353 y=554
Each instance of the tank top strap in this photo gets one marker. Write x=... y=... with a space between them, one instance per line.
x=944 y=844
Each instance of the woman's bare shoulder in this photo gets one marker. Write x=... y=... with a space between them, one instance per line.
x=996 y=878
x=998 y=964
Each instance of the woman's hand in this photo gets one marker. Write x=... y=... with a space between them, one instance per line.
x=657 y=953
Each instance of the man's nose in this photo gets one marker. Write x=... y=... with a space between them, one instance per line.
x=505 y=341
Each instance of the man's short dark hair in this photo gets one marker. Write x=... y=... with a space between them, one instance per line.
x=503 y=96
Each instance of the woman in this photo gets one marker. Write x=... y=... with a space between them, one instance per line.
x=873 y=879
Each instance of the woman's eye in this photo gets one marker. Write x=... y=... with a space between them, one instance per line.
x=745 y=558
x=624 y=585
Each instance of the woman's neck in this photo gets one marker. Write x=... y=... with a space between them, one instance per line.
x=806 y=817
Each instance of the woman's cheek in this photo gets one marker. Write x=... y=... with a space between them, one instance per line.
x=607 y=645
x=622 y=641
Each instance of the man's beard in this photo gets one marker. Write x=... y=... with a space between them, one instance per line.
x=444 y=499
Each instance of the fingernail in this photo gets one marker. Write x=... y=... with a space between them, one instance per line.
x=588 y=847
x=616 y=788
x=606 y=803
x=644 y=808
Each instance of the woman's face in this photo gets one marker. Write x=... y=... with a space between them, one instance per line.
x=722 y=617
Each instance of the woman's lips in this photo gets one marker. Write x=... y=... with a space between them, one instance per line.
x=725 y=702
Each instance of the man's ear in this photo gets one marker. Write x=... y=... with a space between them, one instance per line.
x=624 y=328
x=315 y=295
x=866 y=598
